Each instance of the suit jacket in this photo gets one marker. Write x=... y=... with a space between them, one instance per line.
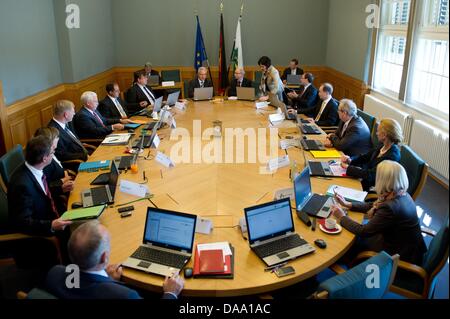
x=91 y=287
x=308 y=99
x=289 y=71
x=195 y=84
x=271 y=83
x=329 y=115
x=356 y=139
x=245 y=83
x=32 y=213
x=135 y=96
x=108 y=109
x=365 y=166
x=67 y=148
x=396 y=220
x=87 y=126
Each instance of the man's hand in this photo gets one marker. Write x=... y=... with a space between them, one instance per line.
x=59 y=224
x=118 y=127
x=264 y=98
x=173 y=284
x=67 y=186
x=310 y=120
x=126 y=121
x=328 y=143
x=114 y=271
x=292 y=111
x=292 y=95
x=143 y=104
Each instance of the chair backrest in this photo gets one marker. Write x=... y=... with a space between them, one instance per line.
x=437 y=255
x=186 y=88
x=357 y=283
x=10 y=161
x=374 y=136
x=35 y=293
x=416 y=169
x=257 y=77
x=369 y=119
x=171 y=75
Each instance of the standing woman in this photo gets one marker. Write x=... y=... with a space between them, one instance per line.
x=393 y=223
x=271 y=84
x=389 y=134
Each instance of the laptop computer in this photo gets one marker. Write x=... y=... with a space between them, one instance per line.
x=310 y=129
x=271 y=232
x=146 y=141
x=103 y=194
x=158 y=104
x=167 y=244
x=293 y=79
x=307 y=202
x=153 y=80
x=326 y=169
x=245 y=94
x=312 y=145
x=172 y=98
x=203 y=94
x=277 y=103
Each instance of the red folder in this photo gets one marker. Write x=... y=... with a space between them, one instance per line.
x=211 y=261
x=227 y=268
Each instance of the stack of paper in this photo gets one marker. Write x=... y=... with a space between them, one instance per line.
x=117 y=139
x=349 y=194
x=286 y=144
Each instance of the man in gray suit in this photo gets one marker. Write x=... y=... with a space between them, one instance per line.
x=352 y=136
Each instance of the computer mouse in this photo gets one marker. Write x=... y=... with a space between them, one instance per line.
x=76 y=205
x=305 y=138
x=131 y=131
x=320 y=243
x=188 y=272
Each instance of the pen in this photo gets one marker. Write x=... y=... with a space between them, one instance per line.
x=275 y=266
x=326 y=178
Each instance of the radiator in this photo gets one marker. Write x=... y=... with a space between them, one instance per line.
x=432 y=145
x=381 y=110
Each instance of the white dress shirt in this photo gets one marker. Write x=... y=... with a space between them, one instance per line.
x=102 y=273
x=147 y=93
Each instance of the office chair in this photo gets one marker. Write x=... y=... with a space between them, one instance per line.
x=352 y=284
x=35 y=293
x=369 y=119
x=416 y=169
x=171 y=75
x=374 y=136
x=9 y=162
x=419 y=281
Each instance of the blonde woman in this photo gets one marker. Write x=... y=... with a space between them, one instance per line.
x=364 y=166
x=393 y=223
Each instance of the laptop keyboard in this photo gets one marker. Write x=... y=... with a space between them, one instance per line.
x=310 y=144
x=99 y=195
x=307 y=129
x=125 y=162
x=316 y=168
x=279 y=246
x=160 y=257
x=315 y=204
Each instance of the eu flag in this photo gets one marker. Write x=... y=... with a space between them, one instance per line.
x=200 y=51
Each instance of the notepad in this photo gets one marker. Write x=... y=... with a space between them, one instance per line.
x=349 y=194
x=94 y=166
x=132 y=125
x=211 y=261
x=83 y=213
x=326 y=154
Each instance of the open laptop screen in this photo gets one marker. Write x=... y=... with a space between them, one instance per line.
x=170 y=229
x=173 y=98
x=113 y=176
x=302 y=188
x=269 y=220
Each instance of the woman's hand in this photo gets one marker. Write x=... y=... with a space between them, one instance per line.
x=337 y=212
x=341 y=201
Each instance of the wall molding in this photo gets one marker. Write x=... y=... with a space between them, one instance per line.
x=20 y=119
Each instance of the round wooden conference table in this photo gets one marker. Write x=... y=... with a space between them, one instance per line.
x=218 y=191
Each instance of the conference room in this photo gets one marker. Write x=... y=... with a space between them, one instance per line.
x=248 y=150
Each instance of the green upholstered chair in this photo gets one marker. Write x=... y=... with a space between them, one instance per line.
x=369 y=119
x=35 y=293
x=171 y=75
x=9 y=162
x=416 y=169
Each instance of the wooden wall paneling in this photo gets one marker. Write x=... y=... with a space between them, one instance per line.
x=47 y=113
x=3 y=122
x=33 y=121
x=18 y=132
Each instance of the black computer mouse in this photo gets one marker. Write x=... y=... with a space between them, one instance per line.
x=76 y=205
x=320 y=243
x=130 y=131
x=188 y=272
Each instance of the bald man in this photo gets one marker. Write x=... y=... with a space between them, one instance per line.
x=90 y=249
x=238 y=81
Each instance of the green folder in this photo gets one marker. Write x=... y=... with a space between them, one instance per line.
x=84 y=213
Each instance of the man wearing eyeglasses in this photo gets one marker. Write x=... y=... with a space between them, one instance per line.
x=200 y=82
x=112 y=106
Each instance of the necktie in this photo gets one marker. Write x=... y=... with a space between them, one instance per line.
x=120 y=108
x=201 y=84
x=321 y=111
x=98 y=119
x=240 y=83
x=75 y=139
x=49 y=195
x=152 y=98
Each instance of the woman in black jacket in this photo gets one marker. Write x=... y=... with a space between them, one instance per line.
x=393 y=223
x=364 y=166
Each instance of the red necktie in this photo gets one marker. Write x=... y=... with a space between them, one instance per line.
x=49 y=195
x=98 y=119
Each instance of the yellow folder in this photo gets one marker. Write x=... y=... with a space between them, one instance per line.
x=84 y=213
x=326 y=154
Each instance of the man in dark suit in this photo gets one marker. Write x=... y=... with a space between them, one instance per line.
x=147 y=70
x=324 y=113
x=90 y=124
x=352 y=136
x=112 y=106
x=292 y=69
x=140 y=96
x=308 y=96
x=89 y=249
x=33 y=210
x=69 y=145
x=239 y=80
x=200 y=81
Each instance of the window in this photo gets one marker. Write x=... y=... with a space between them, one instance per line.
x=390 y=54
x=424 y=82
